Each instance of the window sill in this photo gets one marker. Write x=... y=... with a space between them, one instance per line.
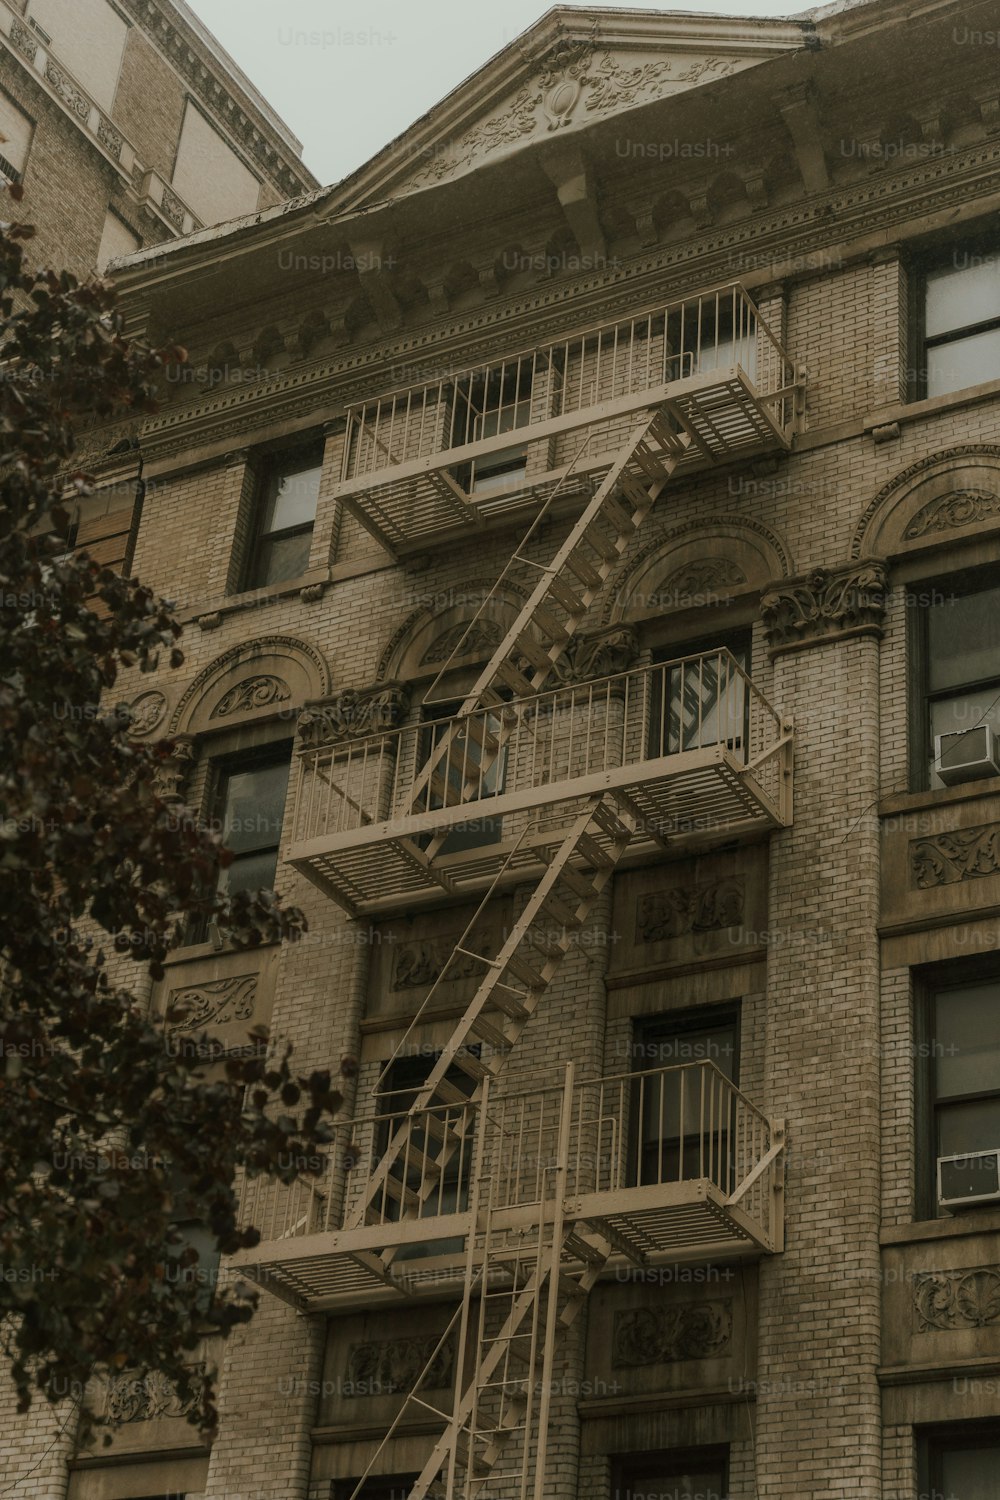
x=972 y=1221
x=198 y=952
x=209 y=613
x=945 y=796
x=913 y=411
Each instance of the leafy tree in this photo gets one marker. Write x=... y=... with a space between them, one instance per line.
x=108 y=1137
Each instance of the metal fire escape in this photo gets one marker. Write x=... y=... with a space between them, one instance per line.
x=534 y=1245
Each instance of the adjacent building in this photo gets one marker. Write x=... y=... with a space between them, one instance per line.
x=586 y=521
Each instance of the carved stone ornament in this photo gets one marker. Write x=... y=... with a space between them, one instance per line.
x=253 y=693
x=389 y=1367
x=172 y=208
x=480 y=639
x=824 y=605
x=602 y=653
x=137 y=1398
x=957 y=1299
x=352 y=714
x=946 y=858
x=67 y=91
x=171 y=774
x=419 y=964
x=662 y=916
x=24 y=39
x=217 y=1000
x=147 y=712
x=666 y=1335
x=109 y=137
x=949 y=512
x=700 y=582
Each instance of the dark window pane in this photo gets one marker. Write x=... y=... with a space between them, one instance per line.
x=963 y=637
x=974 y=1126
x=703 y=1484
x=959 y=363
x=251 y=872
x=292 y=497
x=970 y=1473
x=254 y=807
x=967 y=1041
x=283 y=557
x=961 y=296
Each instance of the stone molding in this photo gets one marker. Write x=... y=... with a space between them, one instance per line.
x=390 y=1367
x=825 y=605
x=274 y=673
x=950 y=512
x=353 y=714
x=948 y=517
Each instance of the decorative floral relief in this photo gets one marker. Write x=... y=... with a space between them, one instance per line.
x=823 y=604
x=696 y=580
x=218 y=1000
x=390 y=1366
x=662 y=916
x=419 y=964
x=482 y=638
x=67 y=91
x=253 y=692
x=173 y=208
x=24 y=39
x=601 y=654
x=965 y=854
x=137 y=1398
x=957 y=1299
x=109 y=137
x=947 y=512
x=665 y=1335
x=352 y=714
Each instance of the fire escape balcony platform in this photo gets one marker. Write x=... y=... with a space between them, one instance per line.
x=704 y=1182
x=442 y=460
x=559 y=749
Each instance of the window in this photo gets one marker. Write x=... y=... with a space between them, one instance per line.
x=701 y=701
x=959 y=1094
x=961 y=321
x=449 y=1188
x=696 y=1474
x=380 y=1488
x=681 y=1118
x=957 y=653
x=960 y=1463
x=286 y=513
x=250 y=802
x=15 y=140
x=486 y=405
x=464 y=763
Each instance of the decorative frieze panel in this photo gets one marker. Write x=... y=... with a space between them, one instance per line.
x=388 y=1367
x=418 y=964
x=193 y=1006
x=352 y=714
x=665 y=1335
x=139 y=1398
x=479 y=638
x=251 y=693
x=824 y=605
x=963 y=854
x=67 y=91
x=24 y=39
x=950 y=512
x=946 y=1300
x=661 y=916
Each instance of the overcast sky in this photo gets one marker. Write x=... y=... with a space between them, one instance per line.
x=348 y=76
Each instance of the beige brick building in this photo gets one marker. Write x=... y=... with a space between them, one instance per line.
x=585 y=518
x=128 y=125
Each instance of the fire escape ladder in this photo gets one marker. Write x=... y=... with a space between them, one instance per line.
x=553 y=612
x=578 y=869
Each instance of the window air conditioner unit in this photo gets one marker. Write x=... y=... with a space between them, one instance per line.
x=966 y=755
x=971 y=1178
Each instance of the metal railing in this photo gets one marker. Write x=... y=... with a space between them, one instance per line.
x=569 y=733
x=713 y=331
x=681 y=1123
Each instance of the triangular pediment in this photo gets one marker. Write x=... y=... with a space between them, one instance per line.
x=571 y=70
